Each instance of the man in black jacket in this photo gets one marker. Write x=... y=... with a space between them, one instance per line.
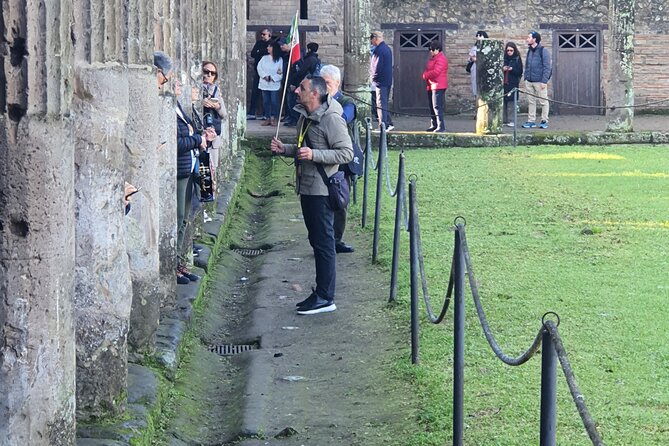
x=308 y=66
x=258 y=51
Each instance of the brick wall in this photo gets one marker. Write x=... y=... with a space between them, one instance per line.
x=502 y=19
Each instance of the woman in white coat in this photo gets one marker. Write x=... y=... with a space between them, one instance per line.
x=270 y=71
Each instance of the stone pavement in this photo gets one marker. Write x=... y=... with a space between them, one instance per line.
x=466 y=124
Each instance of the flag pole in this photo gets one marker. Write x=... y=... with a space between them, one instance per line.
x=285 y=84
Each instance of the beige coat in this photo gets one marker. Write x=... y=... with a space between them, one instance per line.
x=327 y=136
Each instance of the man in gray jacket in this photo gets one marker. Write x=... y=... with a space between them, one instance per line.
x=322 y=139
x=538 y=70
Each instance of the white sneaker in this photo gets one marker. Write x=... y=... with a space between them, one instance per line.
x=390 y=127
x=510 y=124
x=207 y=218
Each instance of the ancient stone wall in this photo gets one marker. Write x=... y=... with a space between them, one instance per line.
x=80 y=114
x=37 y=220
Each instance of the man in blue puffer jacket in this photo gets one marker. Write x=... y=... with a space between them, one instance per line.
x=538 y=70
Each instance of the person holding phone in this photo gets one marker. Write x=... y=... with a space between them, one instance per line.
x=212 y=104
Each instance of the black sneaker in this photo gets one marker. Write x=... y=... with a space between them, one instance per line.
x=343 y=247
x=187 y=274
x=317 y=305
x=308 y=300
x=181 y=279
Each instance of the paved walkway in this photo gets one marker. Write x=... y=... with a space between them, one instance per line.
x=466 y=124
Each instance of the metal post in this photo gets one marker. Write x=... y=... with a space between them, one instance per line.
x=547 y=434
x=354 y=179
x=459 y=341
x=399 y=192
x=414 y=271
x=379 y=191
x=515 y=115
x=365 y=174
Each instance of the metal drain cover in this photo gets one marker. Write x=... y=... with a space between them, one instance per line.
x=248 y=252
x=231 y=349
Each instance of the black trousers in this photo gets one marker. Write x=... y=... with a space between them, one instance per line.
x=319 y=219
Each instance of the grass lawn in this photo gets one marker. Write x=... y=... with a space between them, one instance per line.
x=582 y=231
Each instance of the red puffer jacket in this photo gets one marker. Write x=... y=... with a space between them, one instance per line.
x=436 y=72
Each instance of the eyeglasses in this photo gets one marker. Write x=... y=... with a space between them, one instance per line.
x=209 y=73
x=164 y=79
x=509 y=50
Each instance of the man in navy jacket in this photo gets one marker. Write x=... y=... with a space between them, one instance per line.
x=538 y=70
x=381 y=77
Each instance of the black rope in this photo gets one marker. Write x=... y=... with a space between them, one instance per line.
x=396 y=113
x=524 y=357
x=599 y=107
x=421 y=266
x=576 y=394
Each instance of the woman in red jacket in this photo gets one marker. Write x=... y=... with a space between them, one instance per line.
x=436 y=77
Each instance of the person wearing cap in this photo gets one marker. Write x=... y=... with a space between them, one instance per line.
x=163 y=65
x=381 y=77
x=538 y=70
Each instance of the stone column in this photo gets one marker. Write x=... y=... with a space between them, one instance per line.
x=167 y=168
x=357 y=19
x=621 y=65
x=103 y=292
x=37 y=375
x=142 y=227
x=490 y=86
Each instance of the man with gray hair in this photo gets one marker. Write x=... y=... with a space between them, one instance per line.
x=322 y=143
x=332 y=77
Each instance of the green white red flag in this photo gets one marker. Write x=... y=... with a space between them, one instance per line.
x=294 y=39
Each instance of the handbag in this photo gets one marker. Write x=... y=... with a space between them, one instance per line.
x=468 y=68
x=338 y=190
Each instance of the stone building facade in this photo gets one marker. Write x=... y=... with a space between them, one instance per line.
x=576 y=32
x=82 y=284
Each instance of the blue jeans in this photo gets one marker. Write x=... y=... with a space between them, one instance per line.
x=382 y=96
x=436 y=98
x=318 y=218
x=291 y=99
x=270 y=101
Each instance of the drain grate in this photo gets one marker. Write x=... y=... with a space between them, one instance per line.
x=231 y=349
x=247 y=252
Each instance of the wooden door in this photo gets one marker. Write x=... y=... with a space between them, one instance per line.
x=576 y=72
x=411 y=52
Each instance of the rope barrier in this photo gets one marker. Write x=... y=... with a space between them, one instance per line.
x=548 y=329
x=525 y=356
x=414 y=115
x=646 y=105
x=599 y=107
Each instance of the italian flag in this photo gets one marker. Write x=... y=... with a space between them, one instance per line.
x=294 y=39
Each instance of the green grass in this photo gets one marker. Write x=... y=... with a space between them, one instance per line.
x=582 y=231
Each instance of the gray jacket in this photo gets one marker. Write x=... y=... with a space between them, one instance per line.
x=538 y=66
x=327 y=135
